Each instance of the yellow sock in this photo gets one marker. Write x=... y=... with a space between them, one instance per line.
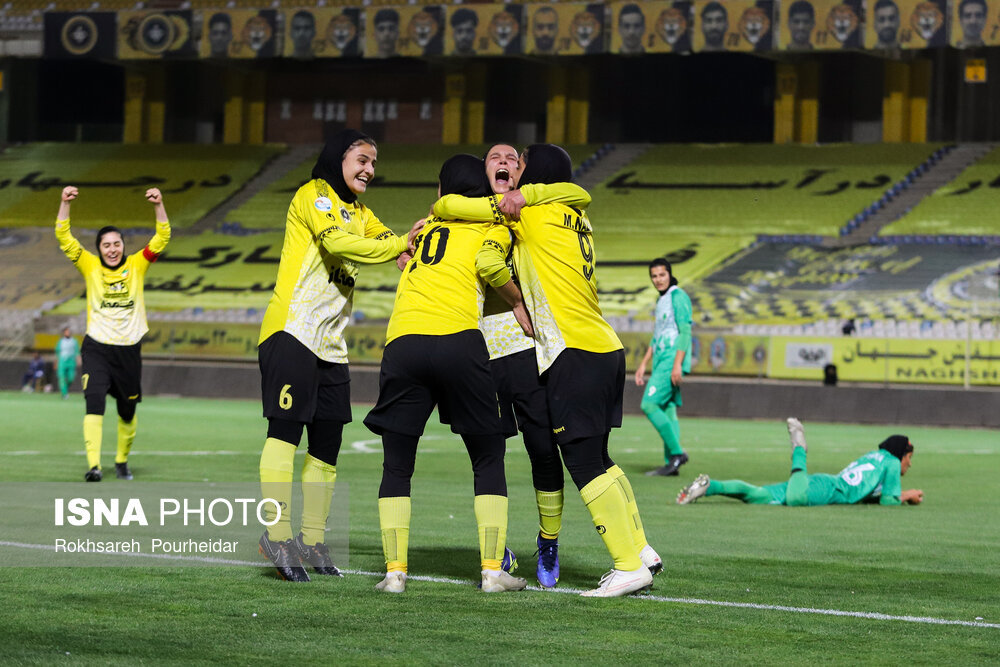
x=126 y=436
x=604 y=499
x=550 y=508
x=394 y=519
x=277 y=462
x=638 y=534
x=491 y=518
x=93 y=426
x=317 y=491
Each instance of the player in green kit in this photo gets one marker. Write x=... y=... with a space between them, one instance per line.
x=670 y=350
x=875 y=477
x=67 y=350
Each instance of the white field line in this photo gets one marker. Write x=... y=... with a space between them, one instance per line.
x=870 y=615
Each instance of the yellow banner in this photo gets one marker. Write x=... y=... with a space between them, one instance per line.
x=404 y=30
x=322 y=32
x=735 y=25
x=240 y=33
x=484 y=30
x=564 y=28
x=887 y=360
x=906 y=24
x=808 y=25
x=652 y=27
x=975 y=23
x=711 y=354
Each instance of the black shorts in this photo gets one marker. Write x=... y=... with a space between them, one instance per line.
x=111 y=369
x=298 y=386
x=520 y=392
x=452 y=372
x=584 y=391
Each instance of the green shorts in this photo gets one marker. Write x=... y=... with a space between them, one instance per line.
x=659 y=389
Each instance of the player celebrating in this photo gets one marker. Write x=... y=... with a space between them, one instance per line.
x=577 y=351
x=435 y=354
x=875 y=477
x=671 y=353
x=305 y=381
x=116 y=323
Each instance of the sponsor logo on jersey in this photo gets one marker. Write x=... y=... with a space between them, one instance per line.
x=323 y=203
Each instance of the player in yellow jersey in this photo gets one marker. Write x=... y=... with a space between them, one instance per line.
x=436 y=355
x=578 y=354
x=116 y=323
x=305 y=381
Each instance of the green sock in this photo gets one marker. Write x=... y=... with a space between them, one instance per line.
x=665 y=422
x=737 y=488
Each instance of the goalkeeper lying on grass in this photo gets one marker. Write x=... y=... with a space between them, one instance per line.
x=875 y=477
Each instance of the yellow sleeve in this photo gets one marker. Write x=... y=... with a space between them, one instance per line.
x=569 y=194
x=474 y=209
x=159 y=242
x=491 y=259
x=359 y=248
x=374 y=228
x=67 y=242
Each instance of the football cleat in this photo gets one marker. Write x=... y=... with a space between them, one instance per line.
x=694 y=490
x=651 y=560
x=93 y=475
x=122 y=471
x=317 y=555
x=394 y=582
x=498 y=581
x=285 y=558
x=547 y=571
x=797 y=433
x=509 y=562
x=670 y=470
x=617 y=583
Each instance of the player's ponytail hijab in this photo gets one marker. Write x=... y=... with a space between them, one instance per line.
x=329 y=165
x=545 y=163
x=465 y=175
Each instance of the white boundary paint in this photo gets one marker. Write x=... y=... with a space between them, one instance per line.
x=871 y=615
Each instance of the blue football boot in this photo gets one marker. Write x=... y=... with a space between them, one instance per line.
x=548 y=562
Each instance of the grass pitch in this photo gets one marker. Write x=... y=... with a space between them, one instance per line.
x=741 y=583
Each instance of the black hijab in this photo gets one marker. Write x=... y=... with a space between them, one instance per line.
x=546 y=163
x=464 y=175
x=897 y=445
x=330 y=164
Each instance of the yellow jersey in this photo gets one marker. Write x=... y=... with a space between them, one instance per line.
x=441 y=290
x=555 y=258
x=116 y=306
x=325 y=240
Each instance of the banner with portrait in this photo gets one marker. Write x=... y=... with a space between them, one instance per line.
x=156 y=34
x=821 y=25
x=239 y=33
x=404 y=30
x=485 y=30
x=975 y=23
x=906 y=24
x=323 y=32
x=734 y=25
x=565 y=28
x=79 y=34
x=652 y=27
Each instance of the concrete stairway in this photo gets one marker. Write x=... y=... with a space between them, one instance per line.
x=604 y=168
x=271 y=172
x=947 y=169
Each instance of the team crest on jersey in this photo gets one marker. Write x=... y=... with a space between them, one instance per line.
x=323 y=204
x=345 y=215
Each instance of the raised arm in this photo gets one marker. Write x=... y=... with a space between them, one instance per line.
x=67 y=242
x=159 y=241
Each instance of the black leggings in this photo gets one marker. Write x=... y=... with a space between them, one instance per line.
x=400 y=454
x=325 y=436
x=96 y=404
x=546 y=465
x=587 y=458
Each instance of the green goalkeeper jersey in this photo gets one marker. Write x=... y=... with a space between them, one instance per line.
x=873 y=477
